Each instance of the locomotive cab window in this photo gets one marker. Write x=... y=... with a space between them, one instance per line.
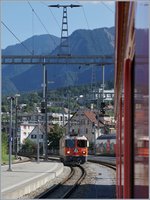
x=82 y=143
x=70 y=143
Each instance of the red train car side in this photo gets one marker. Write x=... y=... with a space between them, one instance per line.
x=142 y=149
x=106 y=145
x=132 y=98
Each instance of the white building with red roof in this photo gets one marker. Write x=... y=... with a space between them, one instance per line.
x=84 y=122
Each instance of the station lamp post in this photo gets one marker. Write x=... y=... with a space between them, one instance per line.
x=16 y=124
x=10 y=133
x=38 y=140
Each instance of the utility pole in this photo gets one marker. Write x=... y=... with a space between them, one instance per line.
x=98 y=112
x=44 y=108
x=46 y=135
x=10 y=133
x=94 y=132
x=103 y=84
x=64 y=45
x=69 y=132
x=16 y=124
x=38 y=135
x=93 y=83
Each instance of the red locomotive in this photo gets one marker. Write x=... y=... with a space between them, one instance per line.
x=73 y=149
x=132 y=99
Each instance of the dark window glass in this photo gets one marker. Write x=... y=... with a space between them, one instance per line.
x=33 y=136
x=82 y=143
x=70 y=143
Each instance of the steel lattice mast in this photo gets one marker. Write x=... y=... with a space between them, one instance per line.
x=64 y=45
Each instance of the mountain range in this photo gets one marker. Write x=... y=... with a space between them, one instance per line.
x=26 y=78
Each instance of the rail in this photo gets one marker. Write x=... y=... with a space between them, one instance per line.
x=57 y=189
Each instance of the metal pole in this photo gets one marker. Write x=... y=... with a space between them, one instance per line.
x=69 y=114
x=94 y=131
x=98 y=112
x=38 y=142
x=16 y=124
x=94 y=140
x=63 y=118
x=10 y=135
x=44 y=100
x=44 y=80
x=16 y=130
x=103 y=68
x=46 y=147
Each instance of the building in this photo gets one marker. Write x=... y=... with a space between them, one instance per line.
x=37 y=135
x=84 y=122
x=52 y=118
x=24 y=131
x=58 y=118
x=107 y=95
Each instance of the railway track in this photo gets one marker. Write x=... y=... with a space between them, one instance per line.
x=95 y=183
x=65 y=188
x=107 y=164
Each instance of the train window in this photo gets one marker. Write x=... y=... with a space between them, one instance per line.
x=139 y=143
x=146 y=144
x=82 y=143
x=143 y=143
x=70 y=143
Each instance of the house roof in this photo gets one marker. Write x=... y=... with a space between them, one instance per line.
x=35 y=130
x=91 y=116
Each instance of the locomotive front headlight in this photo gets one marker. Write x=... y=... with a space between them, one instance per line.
x=68 y=152
x=83 y=152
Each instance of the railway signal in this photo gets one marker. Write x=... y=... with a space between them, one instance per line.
x=102 y=109
x=43 y=107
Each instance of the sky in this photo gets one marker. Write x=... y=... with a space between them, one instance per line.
x=19 y=17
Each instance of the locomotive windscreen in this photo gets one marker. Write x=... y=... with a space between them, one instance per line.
x=70 y=143
x=82 y=143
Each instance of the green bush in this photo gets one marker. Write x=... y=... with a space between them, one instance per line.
x=4 y=147
x=29 y=147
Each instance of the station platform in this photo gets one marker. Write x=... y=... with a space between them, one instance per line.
x=26 y=177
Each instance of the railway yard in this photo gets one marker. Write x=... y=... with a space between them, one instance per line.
x=87 y=135
x=54 y=180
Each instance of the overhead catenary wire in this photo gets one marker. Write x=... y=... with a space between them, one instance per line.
x=41 y=23
x=85 y=18
x=16 y=37
x=88 y=25
x=107 y=6
x=93 y=78
x=52 y=15
x=84 y=15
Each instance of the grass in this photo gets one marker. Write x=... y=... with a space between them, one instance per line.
x=5 y=158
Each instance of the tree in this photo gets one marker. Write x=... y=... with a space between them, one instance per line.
x=29 y=147
x=54 y=136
